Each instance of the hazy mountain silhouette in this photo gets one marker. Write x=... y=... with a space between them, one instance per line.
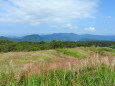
x=60 y=37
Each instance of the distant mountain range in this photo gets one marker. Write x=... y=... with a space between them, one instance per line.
x=60 y=37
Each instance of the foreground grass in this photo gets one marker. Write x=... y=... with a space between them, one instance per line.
x=91 y=75
x=60 y=67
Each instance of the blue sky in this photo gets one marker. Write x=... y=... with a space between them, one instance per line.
x=22 y=17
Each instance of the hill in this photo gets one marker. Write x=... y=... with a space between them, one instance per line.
x=4 y=38
x=61 y=37
x=32 y=38
x=75 y=37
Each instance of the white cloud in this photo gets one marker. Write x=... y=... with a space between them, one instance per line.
x=69 y=26
x=40 y=11
x=54 y=26
x=108 y=17
x=35 y=23
x=90 y=29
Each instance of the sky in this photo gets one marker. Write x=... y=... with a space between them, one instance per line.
x=24 y=17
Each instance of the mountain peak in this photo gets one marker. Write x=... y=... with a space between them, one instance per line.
x=61 y=37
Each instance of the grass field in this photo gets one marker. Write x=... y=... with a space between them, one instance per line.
x=90 y=66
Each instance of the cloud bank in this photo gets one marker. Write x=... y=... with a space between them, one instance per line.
x=44 y=11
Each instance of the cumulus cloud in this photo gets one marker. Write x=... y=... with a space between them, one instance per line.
x=90 y=29
x=67 y=26
x=40 y=11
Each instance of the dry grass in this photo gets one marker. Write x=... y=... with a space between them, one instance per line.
x=38 y=61
x=68 y=64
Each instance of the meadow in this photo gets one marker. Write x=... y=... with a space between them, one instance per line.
x=80 y=66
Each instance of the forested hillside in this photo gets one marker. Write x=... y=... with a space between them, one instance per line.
x=7 y=46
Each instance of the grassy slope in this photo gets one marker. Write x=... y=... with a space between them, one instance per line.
x=15 y=65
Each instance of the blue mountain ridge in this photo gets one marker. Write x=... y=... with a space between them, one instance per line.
x=60 y=37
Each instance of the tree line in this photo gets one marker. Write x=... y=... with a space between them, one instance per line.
x=9 y=46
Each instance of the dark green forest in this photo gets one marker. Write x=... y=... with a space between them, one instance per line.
x=9 y=46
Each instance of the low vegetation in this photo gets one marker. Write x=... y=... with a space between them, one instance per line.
x=70 y=52
x=9 y=46
x=93 y=75
x=80 y=66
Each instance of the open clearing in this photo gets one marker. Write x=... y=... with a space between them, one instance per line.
x=15 y=65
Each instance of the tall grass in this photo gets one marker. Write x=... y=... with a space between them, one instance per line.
x=89 y=72
x=49 y=68
x=92 y=75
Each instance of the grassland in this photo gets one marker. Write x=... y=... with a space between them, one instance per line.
x=89 y=66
